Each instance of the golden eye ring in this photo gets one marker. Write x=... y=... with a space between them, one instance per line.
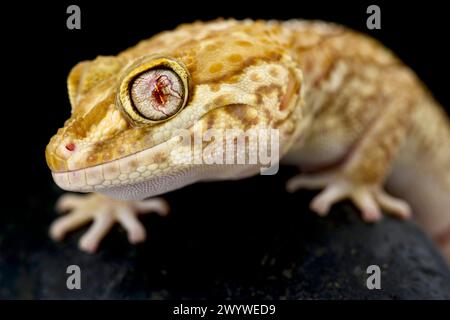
x=154 y=89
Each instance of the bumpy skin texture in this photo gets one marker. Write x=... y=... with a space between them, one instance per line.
x=349 y=113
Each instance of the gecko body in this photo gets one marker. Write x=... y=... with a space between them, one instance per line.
x=349 y=114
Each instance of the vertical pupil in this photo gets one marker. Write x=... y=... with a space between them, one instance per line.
x=158 y=91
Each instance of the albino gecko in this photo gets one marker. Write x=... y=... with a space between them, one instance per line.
x=349 y=114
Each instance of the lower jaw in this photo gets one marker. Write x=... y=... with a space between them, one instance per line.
x=124 y=171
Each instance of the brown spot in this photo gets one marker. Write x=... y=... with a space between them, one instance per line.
x=273 y=55
x=237 y=71
x=107 y=156
x=216 y=67
x=268 y=115
x=273 y=72
x=255 y=77
x=278 y=123
x=236 y=111
x=248 y=29
x=159 y=157
x=244 y=43
x=220 y=100
x=192 y=67
x=232 y=79
x=133 y=164
x=180 y=139
x=211 y=47
x=234 y=58
x=92 y=158
x=266 y=90
x=215 y=87
x=211 y=120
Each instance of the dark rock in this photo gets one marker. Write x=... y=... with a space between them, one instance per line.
x=237 y=240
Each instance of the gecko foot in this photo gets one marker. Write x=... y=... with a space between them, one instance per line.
x=369 y=199
x=104 y=212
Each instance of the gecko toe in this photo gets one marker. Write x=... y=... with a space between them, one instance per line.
x=156 y=205
x=364 y=200
x=369 y=199
x=104 y=212
x=393 y=206
x=135 y=230
x=67 y=202
x=308 y=181
x=103 y=222
x=73 y=220
x=322 y=203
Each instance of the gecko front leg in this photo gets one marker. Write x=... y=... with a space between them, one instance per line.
x=360 y=177
x=104 y=212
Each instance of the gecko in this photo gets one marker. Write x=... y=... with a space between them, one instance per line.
x=350 y=115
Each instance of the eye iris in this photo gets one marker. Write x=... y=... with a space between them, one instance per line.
x=157 y=94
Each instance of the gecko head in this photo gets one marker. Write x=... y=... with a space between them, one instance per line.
x=138 y=118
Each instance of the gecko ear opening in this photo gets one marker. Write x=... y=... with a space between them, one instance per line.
x=153 y=89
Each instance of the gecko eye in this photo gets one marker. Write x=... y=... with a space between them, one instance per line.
x=154 y=90
x=157 y=94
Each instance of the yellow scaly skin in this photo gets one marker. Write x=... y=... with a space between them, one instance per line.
x=349 y=114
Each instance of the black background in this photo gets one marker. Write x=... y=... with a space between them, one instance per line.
x=40 y=51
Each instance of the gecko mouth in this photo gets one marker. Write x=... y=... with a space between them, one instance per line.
x=130 y=169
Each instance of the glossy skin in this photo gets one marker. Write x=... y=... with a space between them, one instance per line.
x=349 y=113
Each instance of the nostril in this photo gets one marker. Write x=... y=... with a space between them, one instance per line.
x=70 y=146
